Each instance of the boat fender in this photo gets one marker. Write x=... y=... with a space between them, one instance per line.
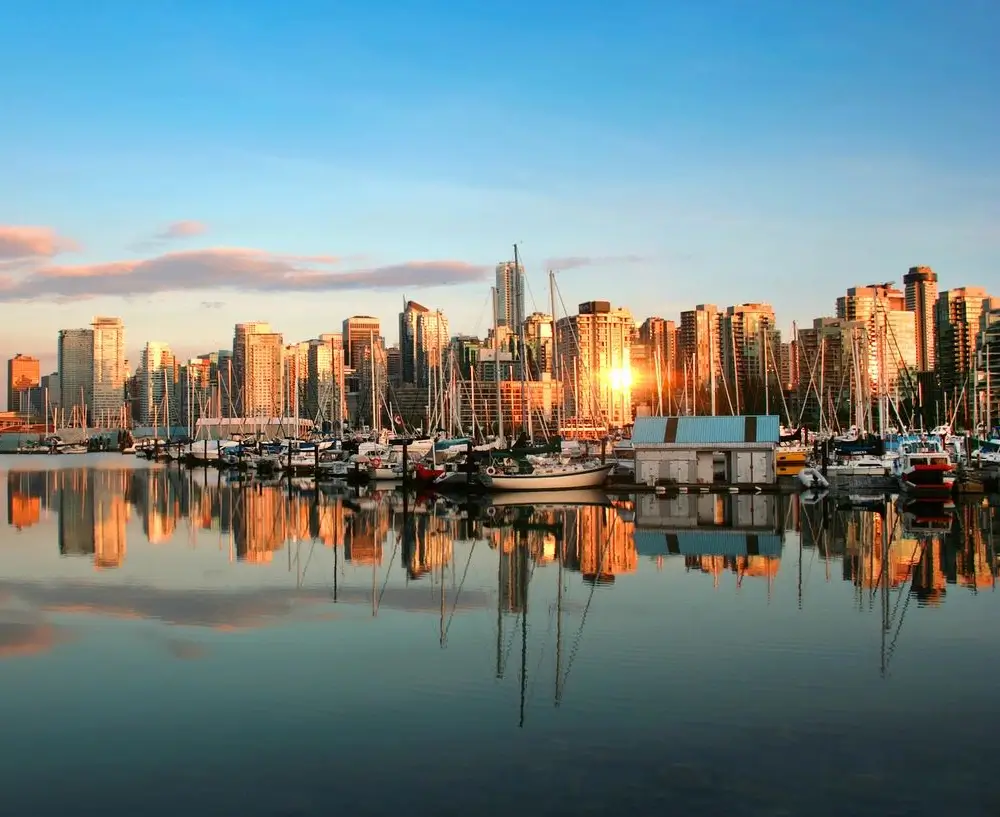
x=377 y=462
x=491 y=471
x=491 y=512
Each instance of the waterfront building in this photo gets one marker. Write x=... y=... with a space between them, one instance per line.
x=956 y=324
x=295 y=375
x=921 y=289
x=24 y=385
x=595 y=362
x=326 y=397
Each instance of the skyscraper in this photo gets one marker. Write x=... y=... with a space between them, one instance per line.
x=510 y=295
x=750 y=348
x=75 y=350
x=326 y=399
x=408 y=319
x=24 y=375
x=921 y=295
x=957 y=323
x=889 y=329
x=109 y=369
x=258 y=353
x=359 y=331
x=594 y=351
x=433 y=339
x=700 y=343
x=155 y=377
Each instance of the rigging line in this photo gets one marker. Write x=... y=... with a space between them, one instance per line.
x=594 y=397
x=517 y=618
x=586 y=608
x=458 y=594
x=392 y=560
x=541 y=657
x=891 y=649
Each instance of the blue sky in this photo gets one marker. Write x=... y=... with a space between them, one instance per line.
x=692 y=151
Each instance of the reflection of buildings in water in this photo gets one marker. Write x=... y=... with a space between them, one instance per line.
x=432 y=547
x=599 y=543
x=366 y=532
x=514 y=576
x=93 y=514
x=327 y=523
x=963 y=555
x=259 y=523
x=24 y=498
x=714 y=533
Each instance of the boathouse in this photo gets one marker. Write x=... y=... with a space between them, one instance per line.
x=706 y=450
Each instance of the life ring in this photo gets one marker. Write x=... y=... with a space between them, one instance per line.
x=377 y=462
x=491 y=471
x=491 y=511
x=398 y=419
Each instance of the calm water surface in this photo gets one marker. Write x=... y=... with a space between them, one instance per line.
x=171 y=643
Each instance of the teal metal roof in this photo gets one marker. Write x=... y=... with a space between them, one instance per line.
x=705 y=430
x=707 y=543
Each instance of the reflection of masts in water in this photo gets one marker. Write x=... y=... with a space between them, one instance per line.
x=885 y=581
x=524 y=656
x=560 y=555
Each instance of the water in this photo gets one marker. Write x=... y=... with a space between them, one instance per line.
x=174 y=644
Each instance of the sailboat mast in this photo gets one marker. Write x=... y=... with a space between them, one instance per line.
x=496 y=361
x=556 y=375
x=372 y=361
x=518 y=315
x=711 y=367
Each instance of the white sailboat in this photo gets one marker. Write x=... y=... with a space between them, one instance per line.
x=557 y=477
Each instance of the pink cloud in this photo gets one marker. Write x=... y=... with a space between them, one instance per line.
x=183 y=229
x=576 y=261
x=19 y=242
x=228 y=268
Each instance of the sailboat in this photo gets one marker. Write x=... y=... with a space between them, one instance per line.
x=549 y=477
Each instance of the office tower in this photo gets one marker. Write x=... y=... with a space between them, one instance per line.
x=433 y=338
x=50 y=390
x=75 y=351
x=24 y=378
x=750 y=347
x=155 y=380
x=510 y=295
x=359 y=333
x=198 y=388
x=700 y=343
x=466 y=349
x=326 y=397
x=258 y=354
x=956 y=325
x=988 y=363
x=539 y=341
x=394 y=366
x=408 y=320
x=109 y=370
x=920 y=284
x=595 y=361
x=889 y=345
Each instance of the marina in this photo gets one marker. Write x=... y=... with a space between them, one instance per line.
x=532 y=627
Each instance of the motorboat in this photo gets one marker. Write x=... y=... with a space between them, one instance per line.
x=925 y=467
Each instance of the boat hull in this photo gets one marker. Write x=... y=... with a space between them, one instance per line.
x=928 y=479
x=565 y=481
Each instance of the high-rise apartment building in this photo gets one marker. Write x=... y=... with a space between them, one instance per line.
x=408 y=320
x=361 y=332
x=538 y=339
x=433 y=340
x=24 y=379
x=295 y=377
x=326 y=397
x=75 y=351
x=920 y=284
x=825 y=365
x=110 y=371
x=957 y=323
x=700 y=343
x=595 y=361
x=156 y=378
x=750 y=347
x=889 y=344
x=258 y=355
x=510 y=295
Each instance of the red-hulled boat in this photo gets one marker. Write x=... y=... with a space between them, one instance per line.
x=925 y=468
x=421 y=473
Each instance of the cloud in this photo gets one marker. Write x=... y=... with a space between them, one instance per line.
x=18 y=243
x=183 y=229
x=212 y=304
x=576 y=261
x=227 y=268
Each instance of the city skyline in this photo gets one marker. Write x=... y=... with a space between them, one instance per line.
x=200 y=168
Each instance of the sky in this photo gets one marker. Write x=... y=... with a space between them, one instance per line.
x=192 y=164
